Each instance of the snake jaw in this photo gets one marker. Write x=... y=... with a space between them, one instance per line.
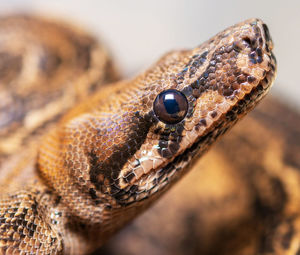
x=236 y=70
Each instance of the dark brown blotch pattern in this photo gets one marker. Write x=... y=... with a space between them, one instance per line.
x=104 y=173
x=22 y=219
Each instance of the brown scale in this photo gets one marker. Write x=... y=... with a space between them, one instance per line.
x=241 y=198
x=112 y=155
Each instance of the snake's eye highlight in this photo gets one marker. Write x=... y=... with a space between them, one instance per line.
x=170 y=106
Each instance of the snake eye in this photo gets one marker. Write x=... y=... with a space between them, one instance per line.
x=170 y=106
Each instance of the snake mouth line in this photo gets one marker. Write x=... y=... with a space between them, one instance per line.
x=151 y=180
x=202 y=144
x=248 y=102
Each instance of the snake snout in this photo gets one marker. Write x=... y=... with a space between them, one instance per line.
x=267 y=33
x=268 y=38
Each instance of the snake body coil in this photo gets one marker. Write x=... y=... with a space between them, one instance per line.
x=72 y=178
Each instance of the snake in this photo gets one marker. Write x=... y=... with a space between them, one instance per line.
x=82 y=153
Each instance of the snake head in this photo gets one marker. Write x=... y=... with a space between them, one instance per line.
x=133 y=140
x=192 y=97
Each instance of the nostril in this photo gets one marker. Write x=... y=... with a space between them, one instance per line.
x=252 y=44
x=267 y=33
x=247 y=41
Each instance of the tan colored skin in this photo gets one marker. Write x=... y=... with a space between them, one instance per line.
x=241 y=198
x=110 y=157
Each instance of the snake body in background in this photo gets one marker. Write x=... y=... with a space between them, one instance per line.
x=79 y=160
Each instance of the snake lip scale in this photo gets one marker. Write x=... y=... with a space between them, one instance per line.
x=82 y=156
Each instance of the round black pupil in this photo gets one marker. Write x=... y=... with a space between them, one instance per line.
x=170 y=106
x=170 y=103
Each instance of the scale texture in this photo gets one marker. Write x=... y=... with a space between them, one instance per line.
x=80 y=160
x=230 y=204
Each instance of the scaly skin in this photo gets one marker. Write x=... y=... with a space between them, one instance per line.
x=241 y=198
x=111 y=156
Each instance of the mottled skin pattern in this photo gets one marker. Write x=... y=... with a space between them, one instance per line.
x=230 y=203
x=110 y=157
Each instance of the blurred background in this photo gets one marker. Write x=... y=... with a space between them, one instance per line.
x=237 y=193
x=139 y=32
